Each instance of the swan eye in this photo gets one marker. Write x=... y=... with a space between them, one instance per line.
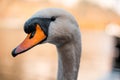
x=53 y=18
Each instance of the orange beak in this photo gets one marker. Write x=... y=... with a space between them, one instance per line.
x=30 y=41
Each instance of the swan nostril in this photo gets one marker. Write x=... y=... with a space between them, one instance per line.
x=32 y=34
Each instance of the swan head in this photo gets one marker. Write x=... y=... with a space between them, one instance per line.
x=50 y=25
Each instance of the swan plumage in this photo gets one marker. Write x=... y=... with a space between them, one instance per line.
x=59 y=27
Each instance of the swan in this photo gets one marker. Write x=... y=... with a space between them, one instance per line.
x=59 y=27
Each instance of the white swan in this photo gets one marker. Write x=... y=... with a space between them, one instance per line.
x=58 y=27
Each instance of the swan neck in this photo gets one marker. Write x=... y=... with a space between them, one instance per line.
x=69 y=60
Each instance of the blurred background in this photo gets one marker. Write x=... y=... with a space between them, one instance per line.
x=99 y=22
